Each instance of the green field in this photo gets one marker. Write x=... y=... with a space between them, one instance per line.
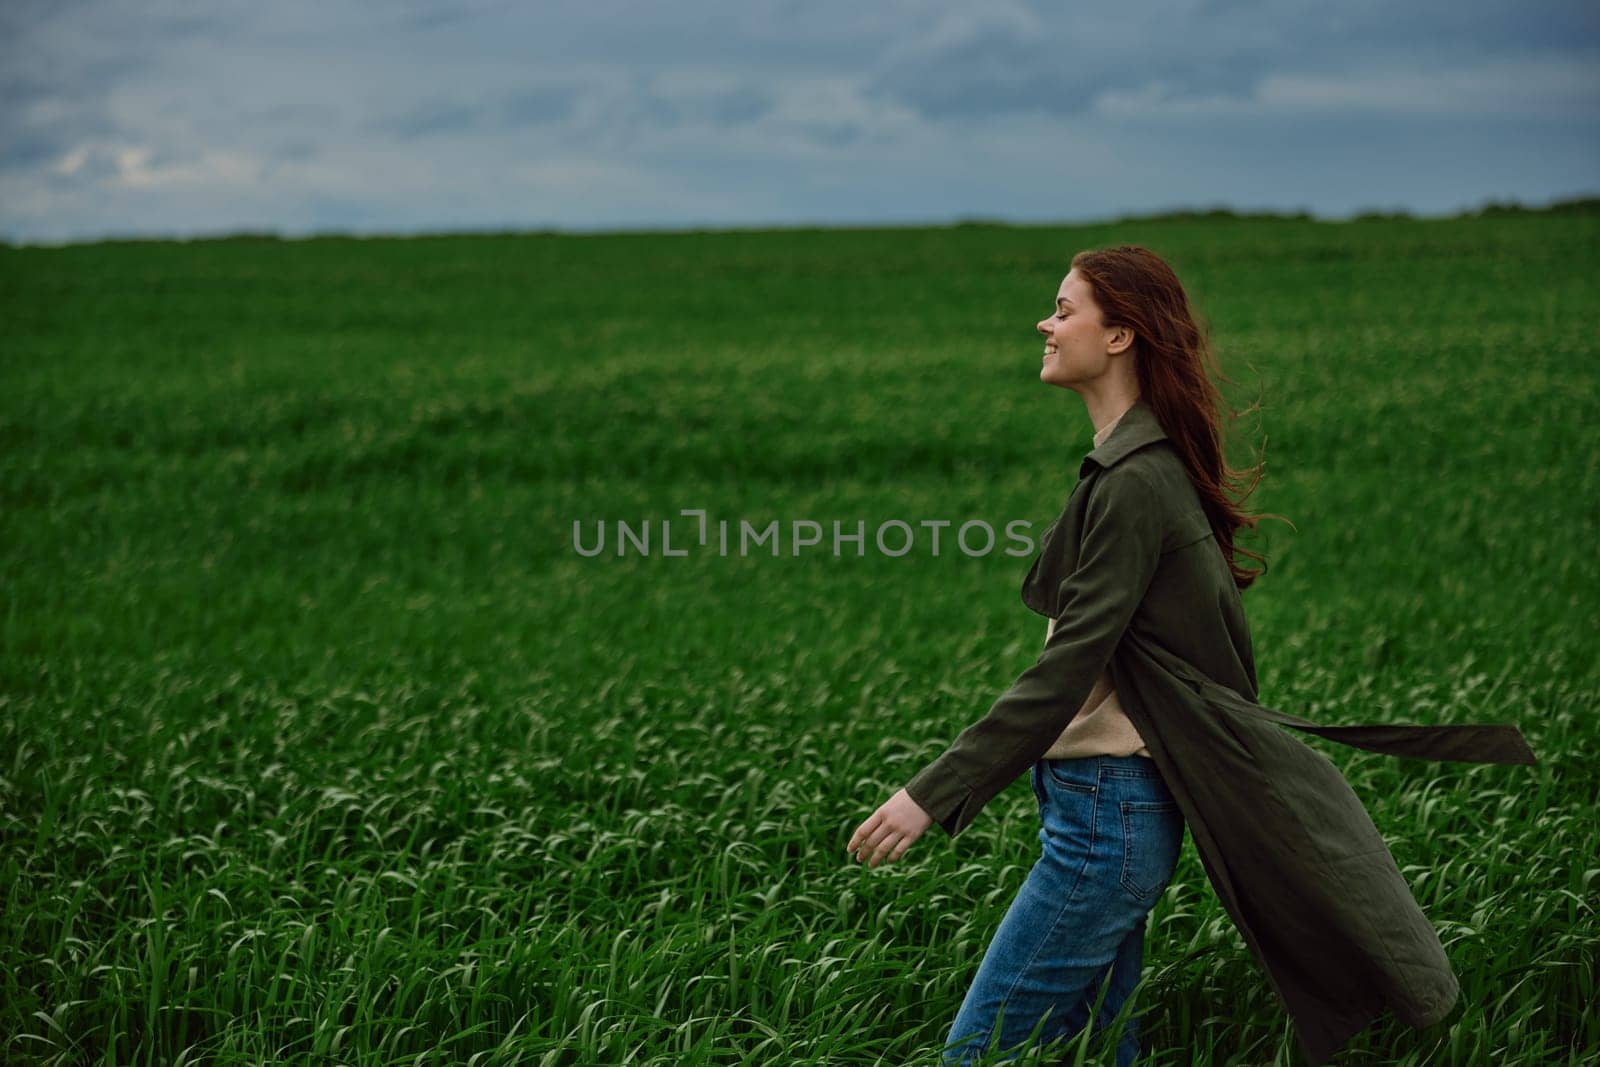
x=320 y=742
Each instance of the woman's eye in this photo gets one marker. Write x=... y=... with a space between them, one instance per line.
x=1061 y=314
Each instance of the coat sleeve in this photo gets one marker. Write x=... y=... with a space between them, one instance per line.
x=1117 y=556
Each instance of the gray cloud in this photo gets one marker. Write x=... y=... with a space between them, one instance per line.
x=624 y=107
x=1010 y=60
x=31 y=149
x=534 y=107
x=1038 y=59
x=431 y=116
x=46 y=111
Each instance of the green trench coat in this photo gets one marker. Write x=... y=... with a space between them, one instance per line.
x=1135 y=578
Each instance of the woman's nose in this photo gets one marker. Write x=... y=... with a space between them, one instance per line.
x=1043 y=326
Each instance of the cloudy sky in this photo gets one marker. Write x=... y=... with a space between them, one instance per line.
x=154 y=117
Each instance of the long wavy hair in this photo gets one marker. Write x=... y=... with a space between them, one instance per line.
x=1176 y=367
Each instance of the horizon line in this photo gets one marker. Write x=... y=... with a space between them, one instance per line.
x=1583 y=203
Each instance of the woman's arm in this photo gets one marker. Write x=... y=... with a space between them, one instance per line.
x=1119 y=548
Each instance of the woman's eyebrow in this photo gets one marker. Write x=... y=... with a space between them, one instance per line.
x=1062 y=300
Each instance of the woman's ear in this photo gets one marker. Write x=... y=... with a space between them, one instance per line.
x=1121 y=340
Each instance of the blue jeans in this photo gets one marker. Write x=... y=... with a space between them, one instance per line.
x=1110 y=837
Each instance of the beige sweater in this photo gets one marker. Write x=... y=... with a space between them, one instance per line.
x=1100 y=728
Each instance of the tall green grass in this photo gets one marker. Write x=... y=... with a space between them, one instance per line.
x=319 y=741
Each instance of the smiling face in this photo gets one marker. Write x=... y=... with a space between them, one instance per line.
x=1078 y=347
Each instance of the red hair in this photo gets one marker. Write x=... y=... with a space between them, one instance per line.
x=1175 y=366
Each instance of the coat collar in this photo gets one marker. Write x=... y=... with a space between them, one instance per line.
x=1137 y=427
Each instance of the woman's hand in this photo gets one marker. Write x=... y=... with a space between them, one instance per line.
x=891 y=829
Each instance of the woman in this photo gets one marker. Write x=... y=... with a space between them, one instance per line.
x=1139 y=718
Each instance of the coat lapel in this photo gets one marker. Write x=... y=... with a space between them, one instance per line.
x=1137 y=427
x=1058 y=547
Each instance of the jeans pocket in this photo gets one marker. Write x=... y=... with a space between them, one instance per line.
x=1074 y=775
x=1149 y=845
x=1038 y=787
